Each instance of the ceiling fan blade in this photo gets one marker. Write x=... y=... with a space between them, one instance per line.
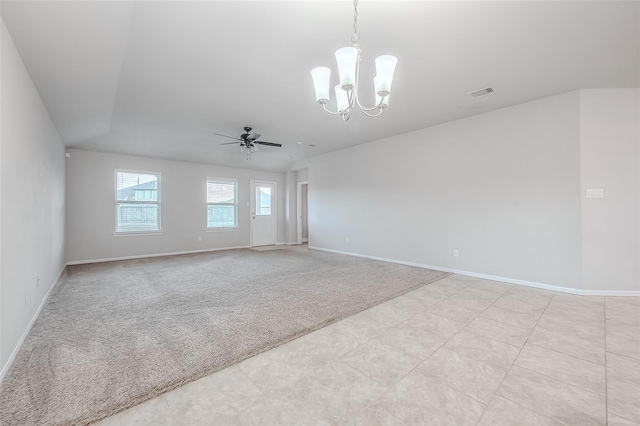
x=230 y=137
x=268 y=143
x=230 y=143
x=253 y=136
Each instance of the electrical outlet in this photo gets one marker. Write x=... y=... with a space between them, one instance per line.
x=199 y=237
x=456 y=253
x=346 y=240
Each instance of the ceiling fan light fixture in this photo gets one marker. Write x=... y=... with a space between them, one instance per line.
x=348 y=59
x=249 y=142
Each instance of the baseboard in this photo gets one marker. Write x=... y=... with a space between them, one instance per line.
x=143 y=256
x=492 y=277
x=305 y=240
x=620 y=293
x=12 y=358
x=286 y=244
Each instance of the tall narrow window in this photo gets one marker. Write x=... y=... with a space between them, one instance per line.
x=137 y=202
x=263 y=201
x=222 y=206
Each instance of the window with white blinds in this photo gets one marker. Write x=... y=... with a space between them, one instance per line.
x=137 y=202
x=222 y=205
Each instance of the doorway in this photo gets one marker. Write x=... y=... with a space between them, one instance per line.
x=302 y=212
x=263 y=213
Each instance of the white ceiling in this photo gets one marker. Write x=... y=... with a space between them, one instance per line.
x=157 y=78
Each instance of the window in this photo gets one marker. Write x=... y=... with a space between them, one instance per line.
x=222 y=205
x=137 y=202
x=263 y=201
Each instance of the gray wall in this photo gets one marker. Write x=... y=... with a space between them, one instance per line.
x=610 y=160
x=32 y=210
x=505 y=188
x=91 y=207
x=501 y=187
x=303 y=175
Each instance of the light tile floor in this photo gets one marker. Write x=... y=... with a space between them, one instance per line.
x=461 y=351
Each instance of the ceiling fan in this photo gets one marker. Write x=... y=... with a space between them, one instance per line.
x=248 y=142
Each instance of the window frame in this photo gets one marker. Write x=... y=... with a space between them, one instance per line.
x=221 y=180
x=158 y=202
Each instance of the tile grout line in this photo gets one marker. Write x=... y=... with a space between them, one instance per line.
x=332 y=358
x=447 y=341
x=173 y=419
x=464 y=329
x=533 y=411
x=559 y=380
x=420 y=363
x=254 y=385
x=514 y=362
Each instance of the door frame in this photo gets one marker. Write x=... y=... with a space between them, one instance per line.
x=299 y=210
x=273 y=207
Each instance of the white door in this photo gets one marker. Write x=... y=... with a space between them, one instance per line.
x=263 y=213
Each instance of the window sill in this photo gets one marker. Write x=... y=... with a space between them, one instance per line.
x=221 y=229
x=130 y=234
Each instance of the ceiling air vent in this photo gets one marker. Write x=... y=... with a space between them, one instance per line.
x=481 y=92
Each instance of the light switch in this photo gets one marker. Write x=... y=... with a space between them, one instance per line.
x=594 y=193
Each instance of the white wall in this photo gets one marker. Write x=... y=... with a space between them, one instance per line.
x=502 y=187
x=91 y=207
x=32 y=211
x=610 y=160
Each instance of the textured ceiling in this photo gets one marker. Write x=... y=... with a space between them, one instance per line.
x=157 y=78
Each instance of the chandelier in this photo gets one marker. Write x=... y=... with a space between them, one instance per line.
x=348 y=59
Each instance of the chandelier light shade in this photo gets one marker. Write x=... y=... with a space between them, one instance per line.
x=385 y=67
x=321 y=81
x=348 y=59
x=342 y=100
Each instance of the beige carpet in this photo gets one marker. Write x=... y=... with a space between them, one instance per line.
x=113 y=335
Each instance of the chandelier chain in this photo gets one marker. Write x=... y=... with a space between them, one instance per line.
x=356 y=37
x=355 y=16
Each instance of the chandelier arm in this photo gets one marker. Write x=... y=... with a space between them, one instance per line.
x=353 y=94
x=330 y=112
x=355 y=100
x=363 y=109
x=372 y=115
x=346 y=115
